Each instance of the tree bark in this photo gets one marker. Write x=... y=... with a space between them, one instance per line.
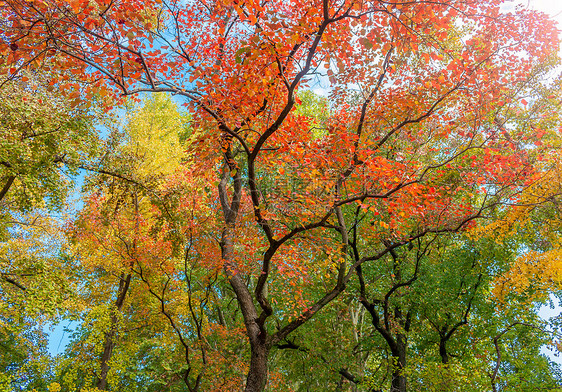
x=399 y=358
x=108 y=346
x=109 y=343
x=443 y=351
x=444 y=336
x=7 y=186
x=257 y=375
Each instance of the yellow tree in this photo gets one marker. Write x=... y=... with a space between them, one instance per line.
x=143 y=245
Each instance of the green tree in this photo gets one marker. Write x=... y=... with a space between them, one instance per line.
x=39 y=132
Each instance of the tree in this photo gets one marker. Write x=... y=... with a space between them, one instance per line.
x=114 y=225
x=419 y=139
x=39 y=130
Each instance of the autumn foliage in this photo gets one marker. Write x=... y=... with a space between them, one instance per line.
x=218 y=233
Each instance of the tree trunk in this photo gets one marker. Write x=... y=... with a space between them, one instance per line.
x=399 y=357
x=257 y=375
x=443 y=351
x=446 y=383
x=108 y=346
x=109 y=342
x=7 y=186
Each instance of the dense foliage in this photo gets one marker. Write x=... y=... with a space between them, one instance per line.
x=397 y=231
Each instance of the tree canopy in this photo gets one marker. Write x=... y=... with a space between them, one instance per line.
x=237 y=231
